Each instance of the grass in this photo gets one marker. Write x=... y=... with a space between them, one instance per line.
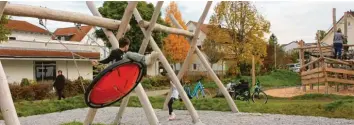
x=278 y=78
x=333 y=106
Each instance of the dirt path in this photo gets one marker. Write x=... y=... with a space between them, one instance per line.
x=296 y=91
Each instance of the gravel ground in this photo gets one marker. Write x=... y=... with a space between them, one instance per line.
x=136 y=116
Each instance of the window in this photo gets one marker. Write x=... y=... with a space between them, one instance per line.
x=12 y=38
x=195 y=66
x=45 y=70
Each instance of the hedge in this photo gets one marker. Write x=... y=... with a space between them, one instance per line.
x=31 y=90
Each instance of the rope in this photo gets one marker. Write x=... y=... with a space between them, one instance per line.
x=72 y=53
x=78 y=25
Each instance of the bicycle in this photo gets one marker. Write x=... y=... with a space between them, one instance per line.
x=258 y=94
x=243 y=92
x=198 y=89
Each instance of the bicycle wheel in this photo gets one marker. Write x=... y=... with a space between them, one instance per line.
x=207 y=94
x=259 y=97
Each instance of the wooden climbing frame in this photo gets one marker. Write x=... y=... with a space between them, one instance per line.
x=6 y=102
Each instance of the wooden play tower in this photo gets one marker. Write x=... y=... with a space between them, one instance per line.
x=319 y=67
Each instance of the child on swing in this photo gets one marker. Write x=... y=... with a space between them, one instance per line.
x=122 y=53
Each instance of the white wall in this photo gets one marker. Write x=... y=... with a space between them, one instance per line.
x=202 y=35
x=329 y=37
x=15 y=70
x=30 y=36
x=153 y=70
x=70 y=71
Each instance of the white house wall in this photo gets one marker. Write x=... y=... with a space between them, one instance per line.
x=29 y=36
x=329 y=37
x=15 y=70
x=70 y=71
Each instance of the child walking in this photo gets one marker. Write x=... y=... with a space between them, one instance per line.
x=174 y=97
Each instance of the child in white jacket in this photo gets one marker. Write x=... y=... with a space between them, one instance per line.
x=174 y=97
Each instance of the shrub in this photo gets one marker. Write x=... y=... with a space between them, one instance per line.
x=30 y=92
x=25 y=82
x=73 y=88
x=43 y=90
x=156 y=81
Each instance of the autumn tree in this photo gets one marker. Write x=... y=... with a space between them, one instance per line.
x=115 y=10
x=213 y=51
x=322 y=34
x=4 y=32
x=175 y=46
x=243 y=28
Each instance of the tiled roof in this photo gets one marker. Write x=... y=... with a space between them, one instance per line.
x=44 y=54
x=77 y=35
x=204 y=27
x=24 y=26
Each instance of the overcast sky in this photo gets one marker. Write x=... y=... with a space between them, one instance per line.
x=290 y=20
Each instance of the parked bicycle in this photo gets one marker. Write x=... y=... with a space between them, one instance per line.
x=198 y=91
x=242 y=92
x=258 y=95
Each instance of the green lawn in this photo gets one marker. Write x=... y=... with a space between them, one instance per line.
x=279 y=78
x=308 y=105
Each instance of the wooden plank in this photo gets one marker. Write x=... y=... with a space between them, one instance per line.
x=329 y=46
x=58 y=15
x=338 y=61
x=312 y=76
x=314 y=61
x=315 y=70
x=344 y=71
x=340 y=80
x=312 y=81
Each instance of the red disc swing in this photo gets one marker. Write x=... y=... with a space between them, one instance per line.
x=114 y=83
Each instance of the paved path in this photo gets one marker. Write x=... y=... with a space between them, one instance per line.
x=136 y=116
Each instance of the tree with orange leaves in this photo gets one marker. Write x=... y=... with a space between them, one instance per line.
x=175 y=46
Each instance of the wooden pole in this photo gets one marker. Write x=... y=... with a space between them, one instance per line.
x=150 y=114
x=175 y=80
x=345 y=24
x=253 y=72
x=7 y=106
x=206 y=65
x=140 y=89
x=159 y=27
x=128 y=12
x=58 y=15
x=324 y=65
x=334 y=20
x=301 y=54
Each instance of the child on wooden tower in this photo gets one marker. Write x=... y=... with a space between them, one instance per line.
x=122 y=53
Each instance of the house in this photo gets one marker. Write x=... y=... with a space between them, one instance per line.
x=290 y=46
x=196 y=65
x=31 y=52
x=328 y=39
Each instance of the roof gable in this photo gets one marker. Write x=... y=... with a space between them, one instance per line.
x=204 y=27
x=76 y=34
x=24 y=26
x=350 y=13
